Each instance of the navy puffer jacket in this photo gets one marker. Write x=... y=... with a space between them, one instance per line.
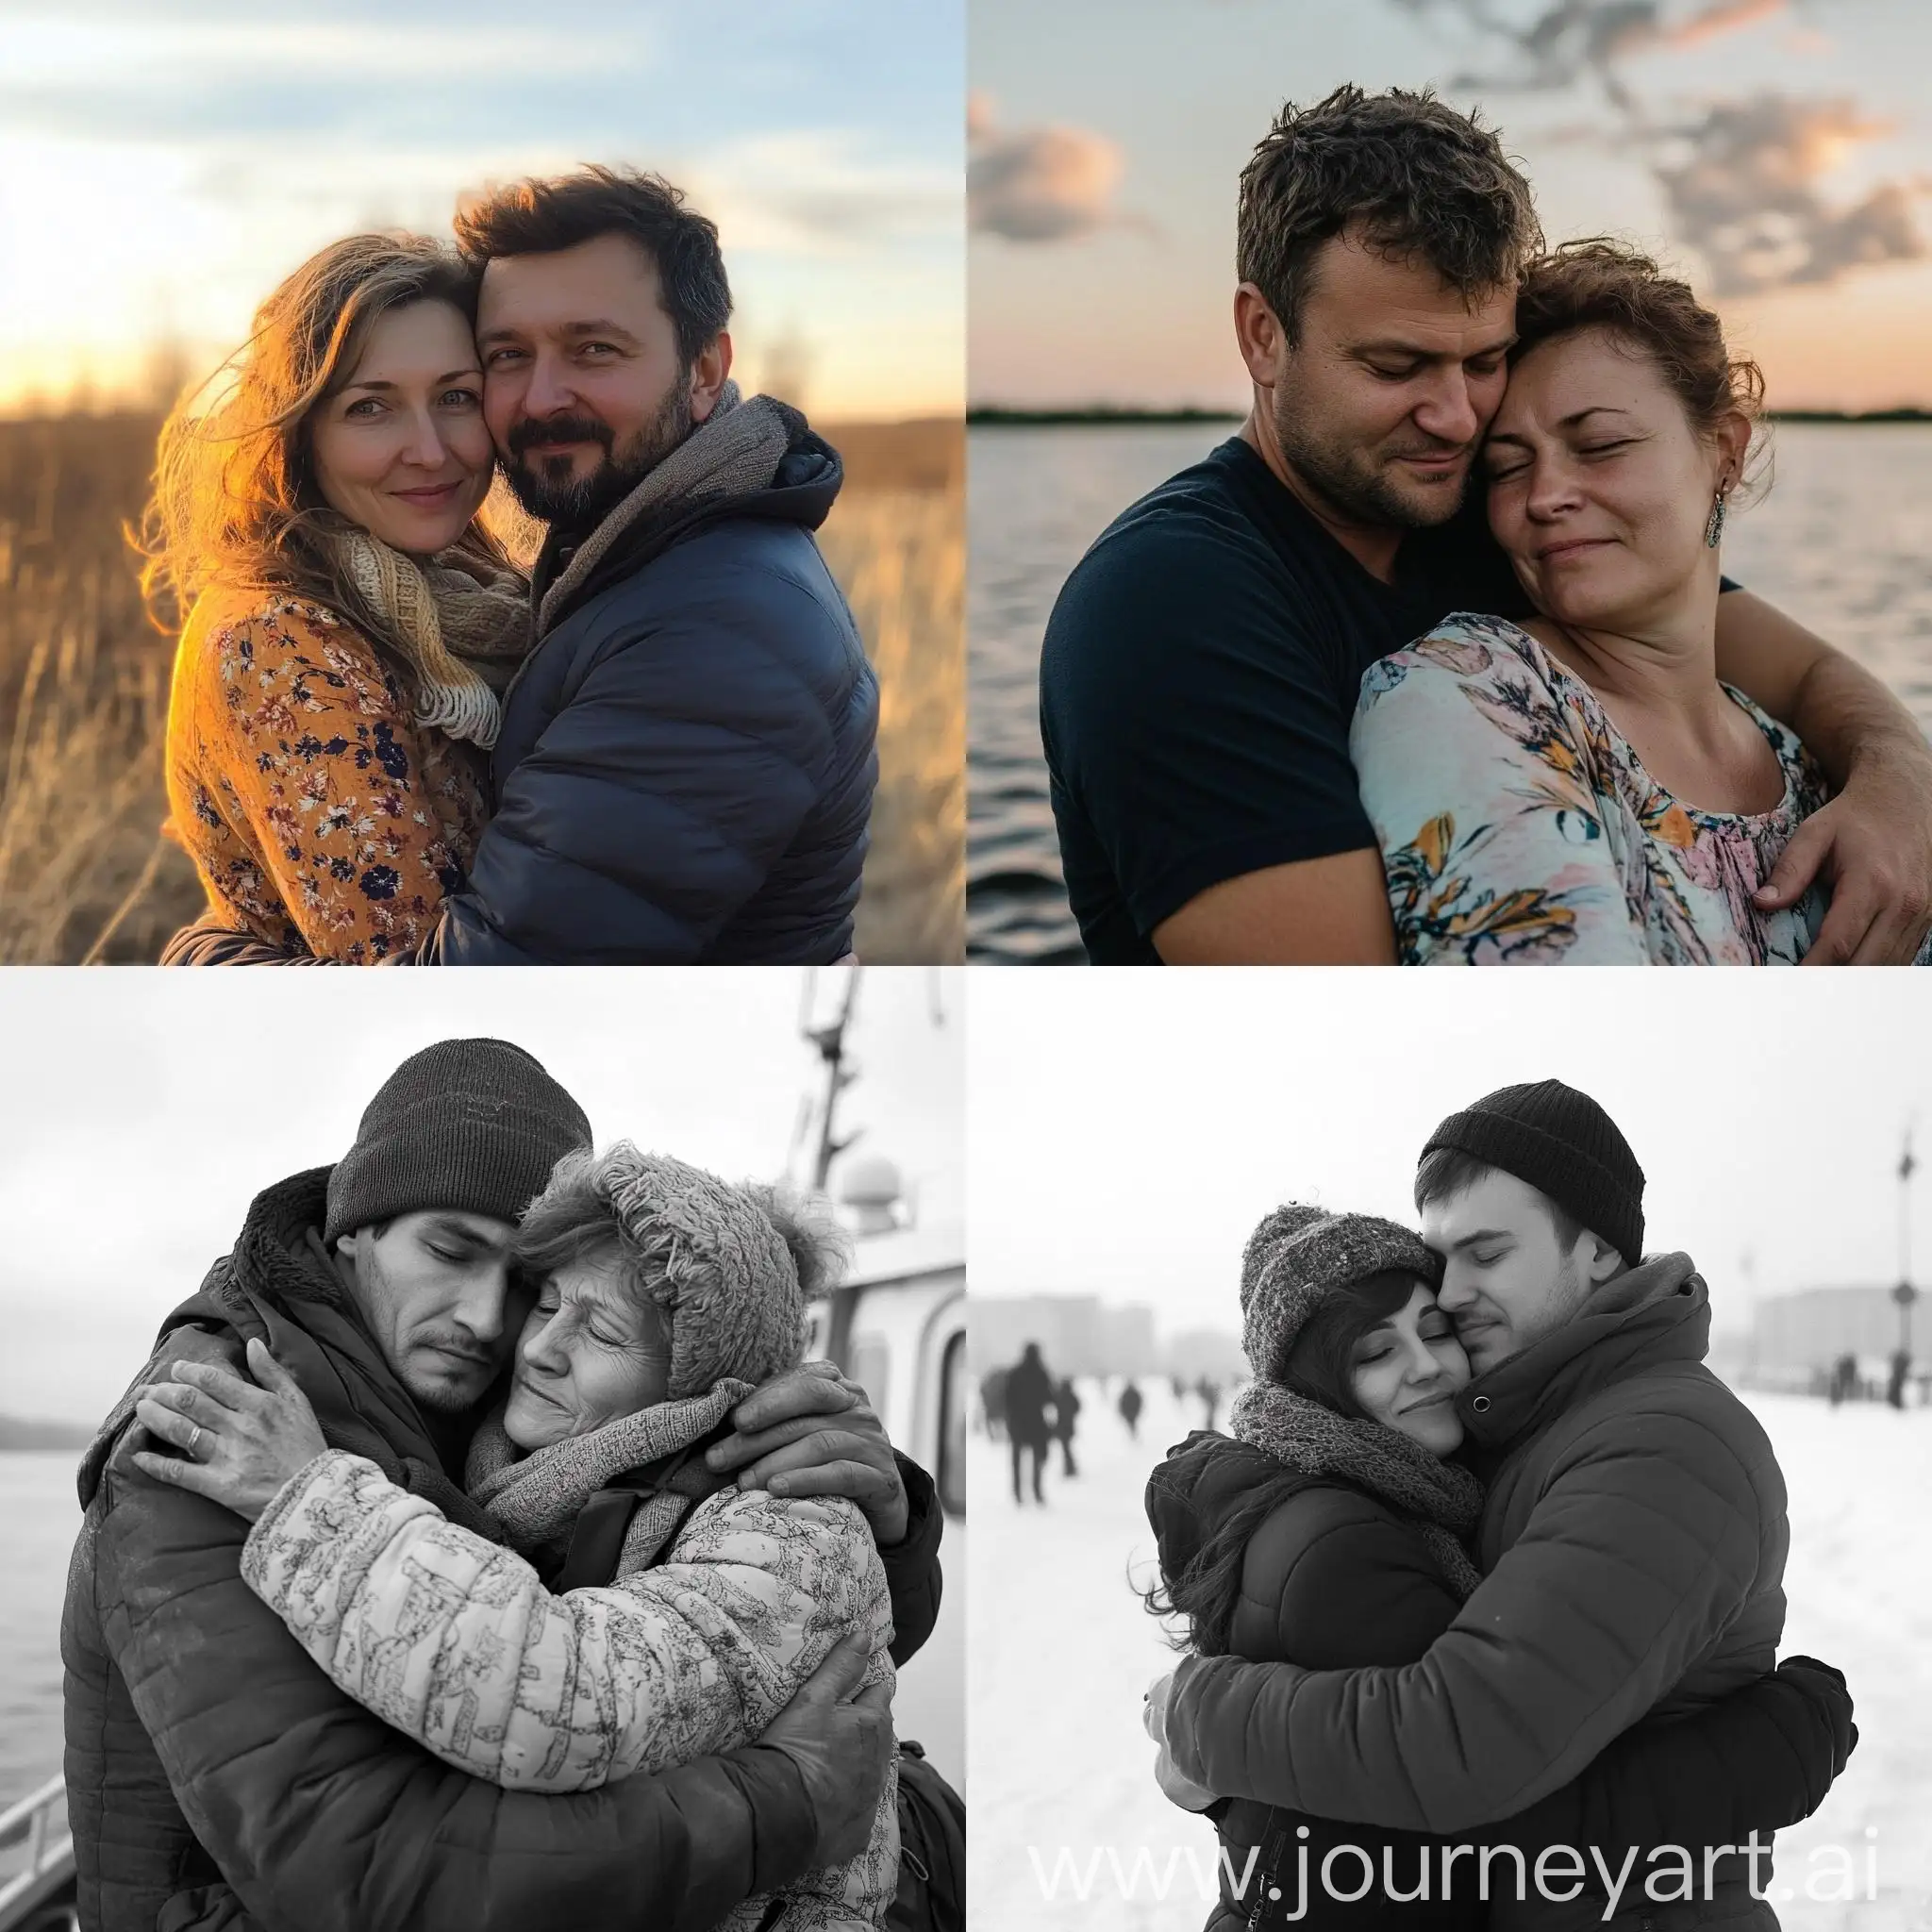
x=687 y=761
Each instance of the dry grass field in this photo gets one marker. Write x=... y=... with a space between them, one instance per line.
x=87 y=873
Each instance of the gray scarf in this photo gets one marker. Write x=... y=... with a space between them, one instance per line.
x=734 y=452
x=536 y=1497
x=1443 y=1500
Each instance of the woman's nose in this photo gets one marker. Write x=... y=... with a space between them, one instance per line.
x=1551 y=490
x=425 y=447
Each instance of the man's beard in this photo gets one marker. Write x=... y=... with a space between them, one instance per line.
x=554 y=494
x=1347 y=479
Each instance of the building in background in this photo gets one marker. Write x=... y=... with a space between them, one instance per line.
x=1796 y=1338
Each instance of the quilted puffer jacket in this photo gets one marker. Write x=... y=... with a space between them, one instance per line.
x=1332 y=1578
x=212 y=1769
x=1634 y=1546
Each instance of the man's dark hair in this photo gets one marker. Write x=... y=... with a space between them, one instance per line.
x=534 y=217
x=1421 y=181
x=1446 y=1172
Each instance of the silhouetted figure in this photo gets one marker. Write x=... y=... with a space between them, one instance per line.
x=992 y=1402
x=1129 y=1406
x=1066 y=1410
x=1180 y=1388
x=1844 y=1378
x=1895 y=1384
x=1030 y=1395
x=1209 y=1392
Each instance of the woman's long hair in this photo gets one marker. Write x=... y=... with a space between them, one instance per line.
x=1208 y=1590
x=235 y=498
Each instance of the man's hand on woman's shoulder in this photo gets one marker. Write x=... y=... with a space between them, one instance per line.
x=813 y=1432
x=840 y=1744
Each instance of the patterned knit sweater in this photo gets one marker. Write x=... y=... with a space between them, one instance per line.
x=319 y=814
x=454 y=1640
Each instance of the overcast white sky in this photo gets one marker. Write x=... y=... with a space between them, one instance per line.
x=1127 y=1130
x=144 y=1110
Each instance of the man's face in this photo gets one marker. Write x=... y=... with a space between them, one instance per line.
x=434 y=1290
x=1507 y=1279
x=1381 y=404
x=583 y=388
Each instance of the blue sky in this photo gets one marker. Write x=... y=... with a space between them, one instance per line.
x=162 y=164
x=1120 y=127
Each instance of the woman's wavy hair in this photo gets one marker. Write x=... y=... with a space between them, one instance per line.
x=1318 y=1367
x=1601 y=283
x=235 y=499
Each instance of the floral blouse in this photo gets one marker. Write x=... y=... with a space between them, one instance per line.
x=1519 y=828
x=320 y=815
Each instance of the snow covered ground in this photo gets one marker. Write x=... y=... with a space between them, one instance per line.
x=1061 y=1792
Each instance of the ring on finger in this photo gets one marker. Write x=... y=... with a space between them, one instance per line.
x=193 y=1444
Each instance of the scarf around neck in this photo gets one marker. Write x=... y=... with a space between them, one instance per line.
x=537 y=1497
x=1443 y=1499
x=464 y=627
x=734 y=452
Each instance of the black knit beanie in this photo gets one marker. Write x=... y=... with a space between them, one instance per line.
x=473 y=1124
x=1563 y=1145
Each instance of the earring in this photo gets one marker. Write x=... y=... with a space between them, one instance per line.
x=1715 y=527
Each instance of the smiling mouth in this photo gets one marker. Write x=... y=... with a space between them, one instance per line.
x=1433 y=1402
x=1571 y=549
x=436 y=494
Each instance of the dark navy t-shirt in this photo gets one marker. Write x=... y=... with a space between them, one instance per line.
x=1198 y=679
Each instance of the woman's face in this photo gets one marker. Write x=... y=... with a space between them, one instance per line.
x=401 y=449
x=592 y=1351
x=1405 y=1373
x=1599 y=489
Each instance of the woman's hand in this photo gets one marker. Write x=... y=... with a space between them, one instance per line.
x=242 y=1443
x=1177 y=1790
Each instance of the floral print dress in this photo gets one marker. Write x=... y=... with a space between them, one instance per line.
x=321 y=817
x=1519 y=828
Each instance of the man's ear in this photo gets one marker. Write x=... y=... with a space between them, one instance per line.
x=1603 y=1261
x=1258 y=333
x=707 y=376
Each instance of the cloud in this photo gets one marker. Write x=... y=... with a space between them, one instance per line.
x=1746 y=195
x=1742 y=179
x=1039 y=184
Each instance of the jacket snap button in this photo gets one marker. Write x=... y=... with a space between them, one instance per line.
x=1481 y=1405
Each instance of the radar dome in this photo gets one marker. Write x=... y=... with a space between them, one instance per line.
x=870 y=1181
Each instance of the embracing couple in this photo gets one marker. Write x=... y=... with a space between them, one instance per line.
x=1484 y=1593
x=476 y=1550
x=385 y=742
x=1433 y=663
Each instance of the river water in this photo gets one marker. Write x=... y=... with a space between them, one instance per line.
x=42 y=1516
x=1842 y=543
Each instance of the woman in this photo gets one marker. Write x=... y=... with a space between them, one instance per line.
x=1330 y=1533
x=1580 y=788
x=664 y=1295
x=349 y=622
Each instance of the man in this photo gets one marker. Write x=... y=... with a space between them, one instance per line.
x=213 y=1771
x=1633 y=1538
x=1201 y=667
x=1028 y=1397
x=686 y=764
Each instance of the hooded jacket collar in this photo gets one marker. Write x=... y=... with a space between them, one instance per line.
x=1656 y=1312
x=809 y=476
x=1192 y=1491
x=280 y=1287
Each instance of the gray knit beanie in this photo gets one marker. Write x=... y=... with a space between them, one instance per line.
x=469 y=1125
x=1564 y=1145
x=1300 y=1256
x=731 y=1268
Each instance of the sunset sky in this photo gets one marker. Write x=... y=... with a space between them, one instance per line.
x=164 y=163
x=1778 y=152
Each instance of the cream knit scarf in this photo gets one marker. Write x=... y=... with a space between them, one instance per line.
x=734 y=452
x=464 y=630
x=536 y=1497
x=1444 y=1499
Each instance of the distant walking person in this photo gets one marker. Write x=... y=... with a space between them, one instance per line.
x=1209 y=1392
x=1029 y=1394
x=1895 y=1386
x=1066 y=1412
x=1844 y=1378
x=1129 y=1406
